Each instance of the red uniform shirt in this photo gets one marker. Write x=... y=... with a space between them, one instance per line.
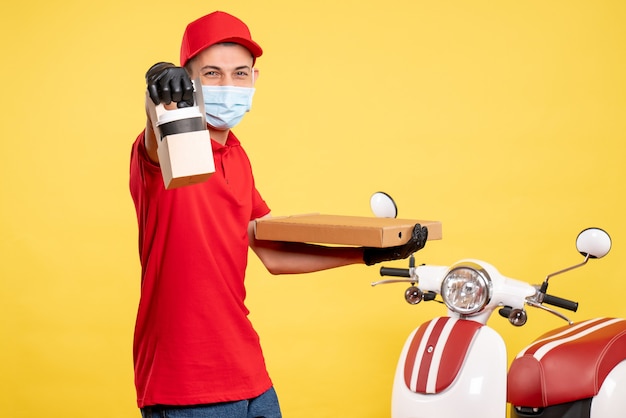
x=193 y=341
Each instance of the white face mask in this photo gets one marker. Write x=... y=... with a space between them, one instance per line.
x=225 y=105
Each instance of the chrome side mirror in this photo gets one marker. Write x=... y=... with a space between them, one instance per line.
x=593 y=243
x=383 y=205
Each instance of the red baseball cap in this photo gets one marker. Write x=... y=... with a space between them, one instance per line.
x=212 y=29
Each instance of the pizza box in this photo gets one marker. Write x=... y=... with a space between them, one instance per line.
x=343 y=230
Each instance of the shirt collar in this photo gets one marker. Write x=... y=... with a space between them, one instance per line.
x=231 y=141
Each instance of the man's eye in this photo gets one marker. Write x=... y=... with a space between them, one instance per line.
x=211 y=74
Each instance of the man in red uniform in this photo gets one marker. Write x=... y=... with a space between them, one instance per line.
x=196 y=353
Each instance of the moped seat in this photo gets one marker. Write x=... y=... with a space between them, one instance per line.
x=567 y=364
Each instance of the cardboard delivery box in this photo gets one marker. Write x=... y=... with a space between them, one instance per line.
x=343 y=230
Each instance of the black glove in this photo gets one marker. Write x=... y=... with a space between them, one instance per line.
x=417 y=241
x=168 y=83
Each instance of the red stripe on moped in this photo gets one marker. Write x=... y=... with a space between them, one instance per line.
x=437 y=352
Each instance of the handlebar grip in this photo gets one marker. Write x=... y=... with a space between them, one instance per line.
x=390 y=271
x=560 y=302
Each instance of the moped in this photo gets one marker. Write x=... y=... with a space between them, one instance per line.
x=456 y=366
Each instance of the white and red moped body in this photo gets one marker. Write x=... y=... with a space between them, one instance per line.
x=449 y=367
x=456 y=366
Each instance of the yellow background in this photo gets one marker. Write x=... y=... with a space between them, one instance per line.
x=503 y=119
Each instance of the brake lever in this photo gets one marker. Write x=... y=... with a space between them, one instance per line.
x=535 y=304
x=387 y=281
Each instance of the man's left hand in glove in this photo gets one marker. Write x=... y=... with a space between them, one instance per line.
x=416 y=242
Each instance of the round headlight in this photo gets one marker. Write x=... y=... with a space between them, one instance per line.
x=466 y=289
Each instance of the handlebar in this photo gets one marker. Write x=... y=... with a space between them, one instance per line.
x=547 y=299
x=560 y=302
x=396 y=272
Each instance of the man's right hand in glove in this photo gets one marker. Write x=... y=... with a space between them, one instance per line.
x=168 y=83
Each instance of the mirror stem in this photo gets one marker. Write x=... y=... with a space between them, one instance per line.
x=544 y=286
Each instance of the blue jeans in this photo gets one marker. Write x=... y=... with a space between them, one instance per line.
x=263 y=406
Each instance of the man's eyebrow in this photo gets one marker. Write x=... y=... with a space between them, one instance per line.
x=215 y=67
